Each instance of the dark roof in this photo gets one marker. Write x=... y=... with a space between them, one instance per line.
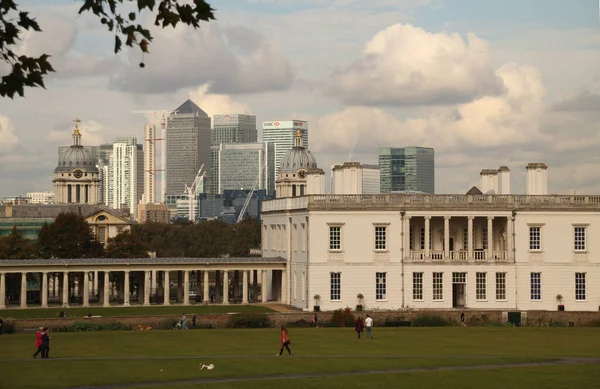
x=189 y=107
x=138 y=261
x=474 y=191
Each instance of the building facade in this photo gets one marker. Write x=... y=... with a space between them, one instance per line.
x=40 y=197
x=228 y=129
x=282 y=134
x=149 y=194
x=438 y=252
x=188 y=147
x=124 y=169
x=154 y=213
x=246 y=166
x=407 y=169
x=354 y=178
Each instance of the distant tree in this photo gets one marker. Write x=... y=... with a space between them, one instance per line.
x=126 y=244
x=69 y=236
x=242 y=237
x=15 y=246
x=30 y=71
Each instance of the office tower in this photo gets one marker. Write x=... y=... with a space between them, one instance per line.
x=407 y=169
x=246 y=166
x=188 y=148
x=282 y=134
x=228 y=129
x=149 y=164
x=123 y=168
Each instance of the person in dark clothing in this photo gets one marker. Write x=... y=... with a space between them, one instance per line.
x=45 y=344
x=193 y=320
x=1 y=322
x=359 y=326
x=462 y=320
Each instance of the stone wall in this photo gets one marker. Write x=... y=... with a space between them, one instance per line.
x=473 y=318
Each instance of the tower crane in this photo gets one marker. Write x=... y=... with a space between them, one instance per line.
x=247 y=202
x=192 y=193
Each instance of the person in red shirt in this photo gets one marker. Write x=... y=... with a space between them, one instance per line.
x=38 y=341
x=284 y=338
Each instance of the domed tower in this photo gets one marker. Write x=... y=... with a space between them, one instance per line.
x=76 y=178
x=298 y=173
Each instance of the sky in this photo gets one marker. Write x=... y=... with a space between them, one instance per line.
x=485 y=83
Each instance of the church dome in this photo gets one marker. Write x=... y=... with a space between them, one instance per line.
x=77 y=156
x=298 y=157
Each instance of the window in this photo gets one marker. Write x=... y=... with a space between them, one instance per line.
x=466 y=238
x=480 y=285
x=579 y=286
x=484 y=238
x=579 y=238
x=535 y=238
x=410 y=238
x=438 y=286
x=423 y=239
x=417 y=286
x=380 y=237
x=380 y=286
x=500 y=286
x=536 y=286
x=335 y=292
x=335 y=238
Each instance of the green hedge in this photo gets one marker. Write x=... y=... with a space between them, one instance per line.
x=81 y=326
x=249 y=320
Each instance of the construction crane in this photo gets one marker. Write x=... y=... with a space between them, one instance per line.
x=192 y=193
x=247 y=202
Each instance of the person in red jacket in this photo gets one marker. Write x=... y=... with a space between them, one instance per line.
x=285 y=341
x=359 y=326
x=38 y=341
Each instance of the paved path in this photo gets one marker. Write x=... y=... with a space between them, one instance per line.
x=552 y=362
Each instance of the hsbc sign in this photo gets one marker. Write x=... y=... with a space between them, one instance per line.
x=271 y=124
x=294 y=124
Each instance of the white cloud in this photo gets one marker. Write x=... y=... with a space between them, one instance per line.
x=92 y=133
x=406 y=65
x=8 y=138
x=214 y=104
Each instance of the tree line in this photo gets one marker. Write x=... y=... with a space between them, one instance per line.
x=70 y=236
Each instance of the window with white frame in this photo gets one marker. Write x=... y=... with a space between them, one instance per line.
x=500 y=286
x=423 y=239
x=535 y=238
x=579 y=286
x=417 y=286
x=536 y=286
x=484 y=238
x=438 y=286
x=410 y=238
x=335 y=237
x=335 y=291
x=380 y=286
x=380 y=237
x=480 y=285
x=579 y=234
x=466 y=239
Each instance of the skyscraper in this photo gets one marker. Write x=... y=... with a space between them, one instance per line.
x=149 y=164
x=282 y=134
x=246 y=165
x=188 y=147
x=228 y=129
x=123 y=174
x=407 y=169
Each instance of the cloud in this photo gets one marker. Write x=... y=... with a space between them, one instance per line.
x=582 y=101
x=406 y=65
x=8 y=138
x=214 y=104
x=234 y=59
x=92 y=133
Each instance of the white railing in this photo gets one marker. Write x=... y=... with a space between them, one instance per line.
x=480 y=255
x=500 y=256
x=459 y=255
x=417 y=255
x=437 y=255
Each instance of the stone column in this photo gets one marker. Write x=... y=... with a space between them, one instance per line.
x=427 y=237
x=2 y=290
x=126 y=289
x=23 y=290
x=283 y=295
x=147 y=287
x=245 y=287
x=106 y=290
x=154 y=280
x=44 y=290
x=447 y=237
x=263 y=289
x=65 y=291
x=166 y=286
x=225 y=287
x=206 y=290
x=470 y=237
x=86 y=289
x=186 y=287
x=490 y=238
x=95 y=289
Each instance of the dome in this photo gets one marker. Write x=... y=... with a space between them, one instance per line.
x=76 y=156
x=297 y=158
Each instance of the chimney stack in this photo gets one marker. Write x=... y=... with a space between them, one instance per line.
x=504 y=180
x=489 y=180
x=537 y=179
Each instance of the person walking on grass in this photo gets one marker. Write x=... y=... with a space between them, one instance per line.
x=369 y=326
x=193 y=320
x=358 y=326
x=183 y=319
x=45 y=343
x=38 y=342
x=284 y=338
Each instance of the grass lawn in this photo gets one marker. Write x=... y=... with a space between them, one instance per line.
x=170 y=359
x=40 y=313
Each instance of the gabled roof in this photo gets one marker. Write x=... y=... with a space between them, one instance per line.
x=189 y=107
x=113 y=212
x=474 y=191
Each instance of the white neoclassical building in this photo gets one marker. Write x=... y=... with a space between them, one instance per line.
x=510 y=252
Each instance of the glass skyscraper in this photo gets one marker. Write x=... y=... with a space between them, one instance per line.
x=246 y=165
x=282 y=134
x=404 y=169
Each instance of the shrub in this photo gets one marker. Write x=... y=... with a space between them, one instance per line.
x=498 y=324
x=299 y=323
x=8 y=326
x=343 y=318
x=82 y=326
x=246 y=320
x=557 y=324
x=429 y=321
